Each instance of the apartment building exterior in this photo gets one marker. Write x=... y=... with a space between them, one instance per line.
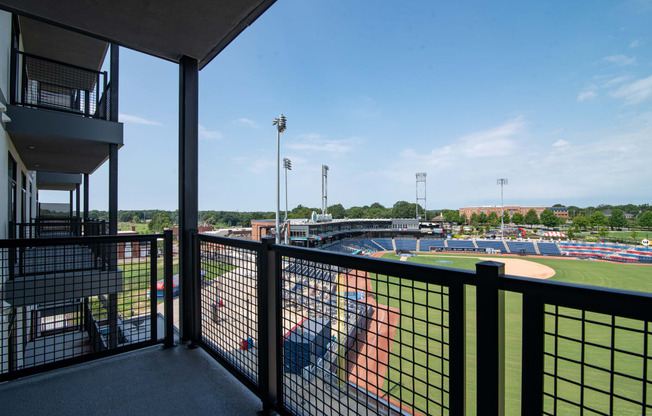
x=561 y=212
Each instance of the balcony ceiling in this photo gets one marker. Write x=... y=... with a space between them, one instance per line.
x=62 y=45
x=167 y=29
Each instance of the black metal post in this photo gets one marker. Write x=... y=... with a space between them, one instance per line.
x=86 y=203
x=71 y=204
x=188 y=191
x=78 y=200
x=457 y=351
x=269 y=309
x=490 y=339
x=115 y=77
x=113 y=247
x=532 y=355
x=153 y=291
x=168 y=290
x=13 y=73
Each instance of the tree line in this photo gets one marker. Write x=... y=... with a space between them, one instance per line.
x=582 y=218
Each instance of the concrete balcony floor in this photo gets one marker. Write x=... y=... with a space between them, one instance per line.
x=157 y=381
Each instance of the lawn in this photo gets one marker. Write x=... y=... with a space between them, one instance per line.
x=404 y=377
x=141 y=228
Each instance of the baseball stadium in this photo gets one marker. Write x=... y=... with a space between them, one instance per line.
x=367 y=320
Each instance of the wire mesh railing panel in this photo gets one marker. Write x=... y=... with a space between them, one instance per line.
x=68 y=299
x=229 y=305
x=596 y=364
x=356 y=342
x=46 y=83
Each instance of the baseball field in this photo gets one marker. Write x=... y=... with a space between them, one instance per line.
x=405 y=352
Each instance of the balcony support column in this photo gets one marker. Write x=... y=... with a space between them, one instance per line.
x=86 y=214
x=77 y=201
x=113 y=249
x=115 y=78
x=188 y=198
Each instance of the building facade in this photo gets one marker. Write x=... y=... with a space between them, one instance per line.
x=561 y=212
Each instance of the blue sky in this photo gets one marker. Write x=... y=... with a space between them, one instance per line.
x=554 y=96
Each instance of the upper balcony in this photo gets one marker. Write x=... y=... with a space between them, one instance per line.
x=60 y=99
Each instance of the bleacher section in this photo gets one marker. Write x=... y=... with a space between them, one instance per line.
x=495 y=244
x=549 y=249
x=385 y=243
x=425 y=244
x=516 y=246
x=617 y=252
x=406 y=244
x=460 y=244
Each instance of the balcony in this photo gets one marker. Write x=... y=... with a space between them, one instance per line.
x=310 y=332
x=60 y=115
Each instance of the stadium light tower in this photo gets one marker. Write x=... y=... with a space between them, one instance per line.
x=280 y=128
x=421 y=195
x=287 y=165
x=502 y=182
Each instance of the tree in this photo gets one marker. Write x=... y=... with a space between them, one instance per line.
x=603 y=232
x=597 y=219
x=482 y=218
x=451 y=215
x=645 y=219
x=493 y=219
x=474 y=219
x=548 y=218
x=355 y=212
x=506 y=218
x=403 y=209
x=518 y=218
x=159 y=222
x=337 y=211
x=463 y=220
x=135 y=219
x=617 y=219
x=580 y=222
x=531 y=218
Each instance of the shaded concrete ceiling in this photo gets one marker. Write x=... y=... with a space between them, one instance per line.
x=165 y=28
x=53 y=42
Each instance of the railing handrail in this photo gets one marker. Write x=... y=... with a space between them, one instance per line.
x=92 y=239
x=54 y=61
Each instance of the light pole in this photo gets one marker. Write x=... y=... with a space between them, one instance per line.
x=287 y=165
x=280 y=128
x=502 y=182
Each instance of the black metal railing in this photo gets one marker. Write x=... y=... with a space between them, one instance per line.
x=313 y=332
x=46 y=83
x=58 y=227
x=69 y=306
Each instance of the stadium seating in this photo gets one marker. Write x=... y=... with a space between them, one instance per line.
x=385 y=243
x=461 y=244
x=495 y=244
x=549 y=249
x=517 y=246
x=426 y=244
x=406 y=244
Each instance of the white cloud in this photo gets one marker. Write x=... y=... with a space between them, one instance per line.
x=635 y=92
x=315 y=142
x=128 y=118
x=246 y=122
x=615 y=81
x=206 y=134
x=586 y=95
x=620 y=60
x=635 y=43
x=560 y=143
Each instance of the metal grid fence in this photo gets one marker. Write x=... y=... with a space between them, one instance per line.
x=63 y=302
x=361 y=341
x=596 y=363
x=46 y=83
x=229 y=305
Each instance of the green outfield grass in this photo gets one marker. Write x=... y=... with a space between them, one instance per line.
x=402 y=373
